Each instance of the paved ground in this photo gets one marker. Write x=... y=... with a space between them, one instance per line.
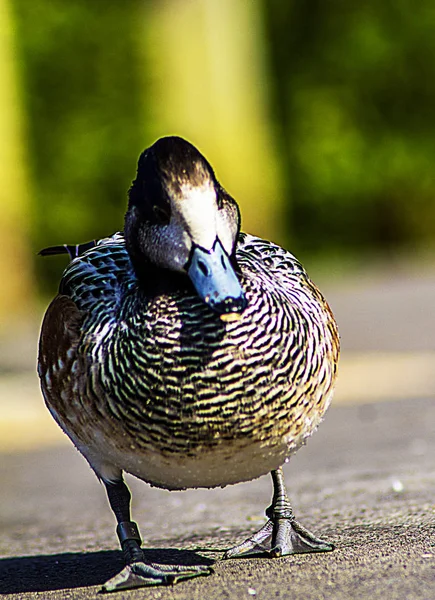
x=366 y=481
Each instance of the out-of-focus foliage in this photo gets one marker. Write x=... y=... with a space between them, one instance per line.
x=80 y=66
x=354 y=90
x=350 y=86
x=15 y=268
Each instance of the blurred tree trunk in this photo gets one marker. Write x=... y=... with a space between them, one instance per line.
x=15 y=261
x=208 y=82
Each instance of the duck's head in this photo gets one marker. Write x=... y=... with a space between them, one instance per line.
x=180 y=218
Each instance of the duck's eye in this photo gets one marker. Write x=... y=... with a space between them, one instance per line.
x=162 y=215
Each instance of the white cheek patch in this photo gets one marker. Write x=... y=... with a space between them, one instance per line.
x=198 y=212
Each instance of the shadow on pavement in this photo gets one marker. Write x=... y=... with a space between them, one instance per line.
x=74 y=570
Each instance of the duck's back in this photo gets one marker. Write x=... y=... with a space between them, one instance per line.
x=157 y=384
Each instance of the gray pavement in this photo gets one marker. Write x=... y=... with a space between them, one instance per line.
x=365 y=481
x=391 y=309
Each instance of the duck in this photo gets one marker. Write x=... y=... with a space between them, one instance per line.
x=188 y=354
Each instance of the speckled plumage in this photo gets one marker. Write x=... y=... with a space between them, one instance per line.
x=164 y=375
x=146 y=378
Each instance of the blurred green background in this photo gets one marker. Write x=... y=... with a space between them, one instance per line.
x=318 y=116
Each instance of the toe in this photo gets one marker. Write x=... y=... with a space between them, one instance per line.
x=256 y=545
x=292 y=538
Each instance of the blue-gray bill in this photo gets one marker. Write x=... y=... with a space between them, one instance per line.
x=215 y=280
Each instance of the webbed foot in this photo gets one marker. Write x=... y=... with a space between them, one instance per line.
x=281 y=537
x=140 y=574
x=281 y=534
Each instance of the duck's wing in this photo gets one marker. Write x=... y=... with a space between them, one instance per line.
x=72 y=251
x=60 y=336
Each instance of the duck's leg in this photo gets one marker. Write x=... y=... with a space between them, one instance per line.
x=282 y=534
x=139 y=573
